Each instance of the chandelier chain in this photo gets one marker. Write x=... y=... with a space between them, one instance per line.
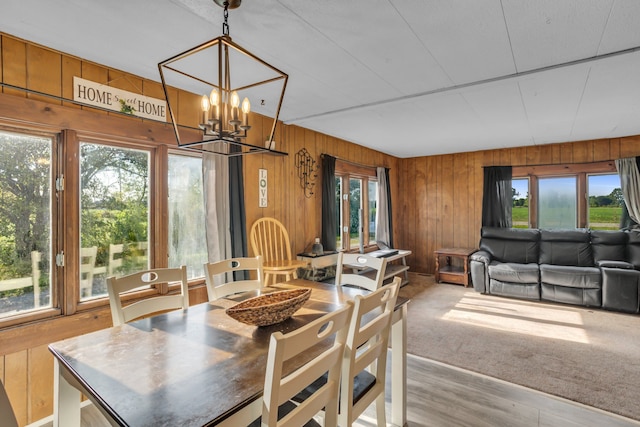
x=225 y=24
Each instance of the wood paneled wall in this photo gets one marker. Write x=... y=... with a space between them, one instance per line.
x=441 y=196
x=437 y=200
x=26 y=366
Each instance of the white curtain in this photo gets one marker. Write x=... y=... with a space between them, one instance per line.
x=215 y=180
x=630 y=183
x=383 y=233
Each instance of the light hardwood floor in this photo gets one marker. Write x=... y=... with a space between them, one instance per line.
x=440 y=395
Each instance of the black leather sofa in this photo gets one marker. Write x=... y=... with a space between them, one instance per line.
x=580 y=266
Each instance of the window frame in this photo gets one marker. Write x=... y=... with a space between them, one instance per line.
x=346 y=171
x=579 y=170
x=56 y=284
x=65 y=217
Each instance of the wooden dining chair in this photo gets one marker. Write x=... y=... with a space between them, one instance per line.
x=118 y=285
x=366 y=346
x=360 y=270
x=280 y=386
x=364 y=364
x=216 y=274
x=270 y=239
x=7 y=416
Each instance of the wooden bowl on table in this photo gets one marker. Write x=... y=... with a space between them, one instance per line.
x=271 y=308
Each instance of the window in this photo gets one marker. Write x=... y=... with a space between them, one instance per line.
x=356 y=207
x=605 y=201
x=355 y=213
x=520 y=209
x=339 y=212
x=557 y=205
x=187 y=243
x=567 y=196
x=373 y=206
x=114 y=212
x=25 y=223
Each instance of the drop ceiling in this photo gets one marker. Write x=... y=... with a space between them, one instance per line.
x=405 y=77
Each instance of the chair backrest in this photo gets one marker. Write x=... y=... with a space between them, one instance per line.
x=7 y=416
x=87 y=265
x=270 y=239
x=148 y=306
x=215 y=273
x=366 y=346
x=115 y=258
x=367 y=271
x=280 y=387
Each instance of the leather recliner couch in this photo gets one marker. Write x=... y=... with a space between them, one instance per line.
x=580 y=266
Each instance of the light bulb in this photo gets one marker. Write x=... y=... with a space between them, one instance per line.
x=205 y=109
x=246 y=106
x=205 y=103
x=235 y=99
x=214 y=97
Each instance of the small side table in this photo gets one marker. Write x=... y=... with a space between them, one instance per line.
x=455 y=268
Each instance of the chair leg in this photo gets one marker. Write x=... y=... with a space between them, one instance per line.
x=380 y=411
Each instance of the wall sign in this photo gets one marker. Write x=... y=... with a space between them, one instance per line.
x=262 y=188
x=111 y=98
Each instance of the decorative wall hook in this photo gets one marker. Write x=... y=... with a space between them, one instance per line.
x=306 y=171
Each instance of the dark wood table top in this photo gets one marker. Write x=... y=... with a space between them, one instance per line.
x=190 y=368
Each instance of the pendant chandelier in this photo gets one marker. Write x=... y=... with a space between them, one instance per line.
x=214 y=86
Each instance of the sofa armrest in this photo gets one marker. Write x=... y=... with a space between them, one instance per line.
x=479 y=266
x=481 y=256
x=614 y=264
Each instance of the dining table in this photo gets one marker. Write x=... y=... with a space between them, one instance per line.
x=195 y=367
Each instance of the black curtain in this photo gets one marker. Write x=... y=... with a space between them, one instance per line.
x=329 y=231
x=238 y=216
x=626 y=223
x=497 y=197
x=390 y=213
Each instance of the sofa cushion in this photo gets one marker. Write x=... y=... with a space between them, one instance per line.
x=571 y=277
x=576 y=296
x=511 y=244
x=566 y=247
x=514 y=273
x=620 y=290
x=615 y=264
x=529 y=291
x=609 y=245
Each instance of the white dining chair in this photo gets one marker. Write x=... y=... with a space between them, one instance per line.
x=364 y=364
x=117 y=285
x=360 y=270
x=279 y=387
x=366 y=347
x=217 y=274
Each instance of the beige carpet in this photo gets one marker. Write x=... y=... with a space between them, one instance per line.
x=590 y=356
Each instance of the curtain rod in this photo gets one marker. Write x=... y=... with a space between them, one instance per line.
x=352 y=163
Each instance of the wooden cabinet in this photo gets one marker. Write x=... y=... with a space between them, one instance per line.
x=452 y=265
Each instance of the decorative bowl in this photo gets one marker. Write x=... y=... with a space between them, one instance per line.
x=271 y=308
